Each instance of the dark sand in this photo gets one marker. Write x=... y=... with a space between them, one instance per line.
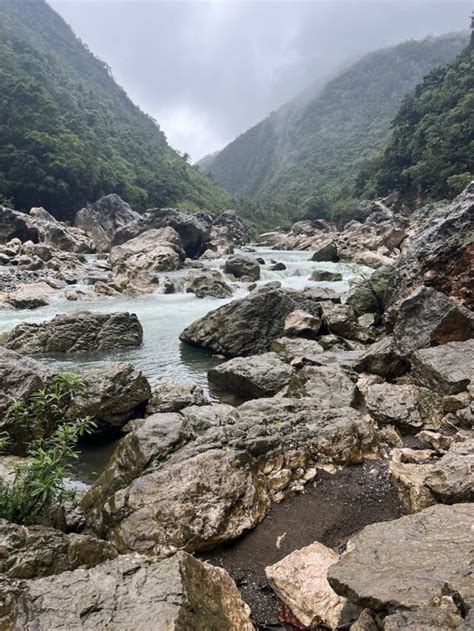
x=332 y=509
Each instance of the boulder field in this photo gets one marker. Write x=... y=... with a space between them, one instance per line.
x=380 y=378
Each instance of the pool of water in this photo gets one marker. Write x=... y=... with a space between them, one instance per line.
x=164 y=316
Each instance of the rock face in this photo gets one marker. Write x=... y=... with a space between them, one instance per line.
x=112 y=394
x=410 y=563
x=228 y=230
x=173 y=397
x=408 y=407
x=16 y=225
x=193 y=480
x=80 y=332
x=131 y=592
x=447 y=369
x=152 y=251
x=103 y=219
x=428 y=318
x=20 y=377
x=35 y=551
x=300 y=581
x=193 y=230
x=208 y=283
x=249 y=325
x=441 y=252
x=241 y=266
x=251 y=377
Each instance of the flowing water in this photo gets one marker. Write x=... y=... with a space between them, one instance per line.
x=164 y=316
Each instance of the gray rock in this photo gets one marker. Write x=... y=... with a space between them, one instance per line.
x=157 y=250
x=323 y=294
x=370 y=294
x=173 y=397
x=326 y=252
x=325 y=276
x=290 y=348
x=240 y=265
x=130 y=592
x=30 y=295
x=35 y=551
x=16 y=225
x=331 y=386
x=410 y=562
x=208 y=283
x=251 y=377
x=56 y=234
x=111 y=395
x=103 y=219
x=447 y=369
x=80 y=332
x=339 y=319
x=249 y=325
x=383 y=359
x=302 y=324
x=228 y=230
x=451 y=479
x=428 y=318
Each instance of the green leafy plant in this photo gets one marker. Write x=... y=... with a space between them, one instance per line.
x=38 y=482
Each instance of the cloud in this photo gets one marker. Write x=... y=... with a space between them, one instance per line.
x=208 y=70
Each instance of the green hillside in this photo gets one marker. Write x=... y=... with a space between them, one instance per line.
x=69 y=133
x=430 y=152
x=300 y=158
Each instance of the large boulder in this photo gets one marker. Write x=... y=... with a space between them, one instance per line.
x=242 y=266
x=228 y=230
x=168 y=396
x=30 y=295
x=410 y=563
x=56 y=234
x=428 y=318
x=440 y=253
x=35 y=551
x=193 y=230
x=80 y=332
x=208 y=283
x=103 y=219
x=130 y=592
x=175 y=482
x=300 y=581
x=383 y=359
x=111 y=395
x=20 y=377
x=251 y=377
x=249 y=325
x=326 y=252
x=157 y=250
x=447 y=369
x=16 y=225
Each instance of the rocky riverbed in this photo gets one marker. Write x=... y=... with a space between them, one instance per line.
x=292 y=423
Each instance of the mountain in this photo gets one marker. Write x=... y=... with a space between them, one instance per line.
x=69 y=134
x=430 y=152
x=300 y=157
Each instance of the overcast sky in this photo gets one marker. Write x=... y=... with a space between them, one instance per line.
x=209 y=70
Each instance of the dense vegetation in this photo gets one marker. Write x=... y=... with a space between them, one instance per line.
x=69 y=133
x=430 y=153
x=304 y=158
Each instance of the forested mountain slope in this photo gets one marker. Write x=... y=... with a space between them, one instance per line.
x=69 y=133
x=301 y=157
x=430 y=152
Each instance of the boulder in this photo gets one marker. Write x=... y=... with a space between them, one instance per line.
x=56 y=234
x=409 y=479
x=240 y=266
x=208 y=283
x=157 y=250
x=111 y=395
x=323 y=294
x=130 y=592
x=251 y=377
x=410 y=562
x=35 y=551
x=447 y=369
x=20 y=377
x=325 y=276
x=451 y=479
x=290 y=348
x=410 y=408
x=80 y=332
x=300 y=581
x=173 y=397
x=326 y=252
x=302 y=324
x=249 y=325
x=370 y=293
x=428 y=318
x=330 y=386
x=383 y=359
x=277 y=266
x=227 y=231
x=103 y=219
x=30 y=295
x=339 y=319
x=16 y=225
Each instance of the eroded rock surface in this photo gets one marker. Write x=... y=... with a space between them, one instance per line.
x=173 y=397
x=447 y=369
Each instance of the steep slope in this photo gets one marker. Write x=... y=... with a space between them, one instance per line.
x=69 y=133
x=430 y=152
x=300 y=155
